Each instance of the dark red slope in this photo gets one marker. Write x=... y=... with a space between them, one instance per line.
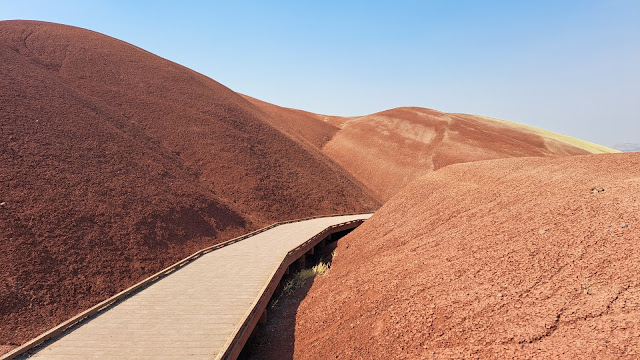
x=214 y=130
x=92 y=204
x=514 y=258
x=313 y=129
x=115 y=163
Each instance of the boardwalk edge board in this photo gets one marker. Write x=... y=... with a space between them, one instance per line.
x=240 y=336
x=79 y=318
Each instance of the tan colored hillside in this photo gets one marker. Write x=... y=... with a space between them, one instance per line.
x=388 y=150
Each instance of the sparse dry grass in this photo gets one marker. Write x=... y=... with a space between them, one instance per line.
x=302 y=276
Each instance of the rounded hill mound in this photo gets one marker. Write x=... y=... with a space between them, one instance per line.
x=513 y=258
x=115 y=163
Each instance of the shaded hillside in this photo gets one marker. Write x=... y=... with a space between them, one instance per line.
x=512 y=258
x=388 y=150
x=115 y=163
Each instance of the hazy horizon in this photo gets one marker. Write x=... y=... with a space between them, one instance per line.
x=570 y=68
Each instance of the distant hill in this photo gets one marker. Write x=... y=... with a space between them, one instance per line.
x=627 y=147
x=388 y=150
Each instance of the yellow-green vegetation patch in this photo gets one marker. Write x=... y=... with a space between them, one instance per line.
x=582 y=144
x=303 y=275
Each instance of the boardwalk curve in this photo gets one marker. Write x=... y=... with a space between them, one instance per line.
x=205 y=309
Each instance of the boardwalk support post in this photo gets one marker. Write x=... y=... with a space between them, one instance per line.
x=263 y=317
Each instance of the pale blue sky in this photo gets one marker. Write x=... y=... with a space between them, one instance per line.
x=567 y=66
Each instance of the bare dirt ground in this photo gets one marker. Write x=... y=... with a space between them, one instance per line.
x=514 y=258
x=115 y=163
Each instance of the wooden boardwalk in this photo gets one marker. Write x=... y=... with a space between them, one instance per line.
x=204 y=310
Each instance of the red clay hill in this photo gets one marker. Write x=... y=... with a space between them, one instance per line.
x=115 y=163
x=389 y=149
x=501 y=259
